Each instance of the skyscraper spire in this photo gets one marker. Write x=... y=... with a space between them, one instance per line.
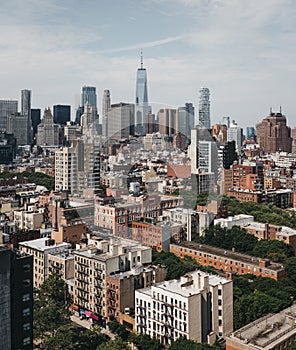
x=141 y=59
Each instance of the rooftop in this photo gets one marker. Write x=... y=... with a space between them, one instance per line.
x=40 y=244
x=265 y=332
x=248 y=259
x=189 y=284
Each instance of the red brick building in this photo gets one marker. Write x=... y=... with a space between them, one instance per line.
x=228 y=261
x=273 y=134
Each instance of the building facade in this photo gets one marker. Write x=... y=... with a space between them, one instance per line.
x=16 y=300
x=198 y=307
x=273 y=134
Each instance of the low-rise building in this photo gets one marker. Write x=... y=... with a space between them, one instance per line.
x=94 y=263
x=237 y=220
x=271 y=332
x=120 y=291
x=199 y=306
x=40 y=249
x=157 y=235
x=229 y=261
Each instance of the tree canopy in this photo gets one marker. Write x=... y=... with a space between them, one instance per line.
x=245 y=243
x=261 y=212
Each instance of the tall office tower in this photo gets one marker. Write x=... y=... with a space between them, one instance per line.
x=185 y=120
x=19 y=126
x=78 y=115
x=7 y=107
x=26 y=112
x=167 y=121
x=35 y=119
x=120 y=121
x=106 y=105
x=26 y=103
x=89 y=117
x=151 y=123
x=204 y=108
x=226 y=121
x=273 y=134
x=47 y=131
x=142 y=108
x=16 y=300
x=61 y=114
x=250 y=132
x=89 y=96
x=191 y=114
x=235 y=133
x=7 y=147
x=207 y=157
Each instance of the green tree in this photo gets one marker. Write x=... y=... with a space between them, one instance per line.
x=117 y=328
x=144 y=342
x=235 y=237
x=274 y=250
x=116 y=344
x=186 y=344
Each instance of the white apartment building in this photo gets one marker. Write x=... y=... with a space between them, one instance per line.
x=237 y=220
x=40 y=249
x=28 y=220
x=199 y=306
x=66 y=171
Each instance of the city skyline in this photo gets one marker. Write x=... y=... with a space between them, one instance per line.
x=245 y=59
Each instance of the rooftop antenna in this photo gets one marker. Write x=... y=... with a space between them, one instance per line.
x=270 y=110
x=281 y=109
x=141 y=59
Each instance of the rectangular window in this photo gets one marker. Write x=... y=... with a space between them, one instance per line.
x=27 y=341
x=26 y=297
x=26 y=326
x=26 y=312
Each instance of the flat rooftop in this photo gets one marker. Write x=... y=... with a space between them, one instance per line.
x=40 y=244
x=228 y=254
x=268 y=330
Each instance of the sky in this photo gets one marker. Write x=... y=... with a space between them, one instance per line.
x=243 y=50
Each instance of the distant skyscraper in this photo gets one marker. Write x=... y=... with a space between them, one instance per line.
x=47 y=131
x=185 y=120
x=36 y=119
x=7 y=107
x=273 y=134
x=250 y=131
x=226 y=121
x=89 y=96
x=120 y=121
x=26 y=112
x=235 y=133
x=106 y=105
x=167 y=121
x=61 y=114
x=142 y=108
x=204 y=108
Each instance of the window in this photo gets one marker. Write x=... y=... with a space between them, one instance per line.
x=26 y=283
x=26 y=326
x=27 y=268
x=27 y=341
x=26 y=297
x=26 y=312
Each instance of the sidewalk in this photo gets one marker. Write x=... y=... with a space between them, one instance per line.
x=86 y=323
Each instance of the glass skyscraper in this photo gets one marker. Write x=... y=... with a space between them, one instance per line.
x=204 y=108
x=142 y=108
x=89 y=96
